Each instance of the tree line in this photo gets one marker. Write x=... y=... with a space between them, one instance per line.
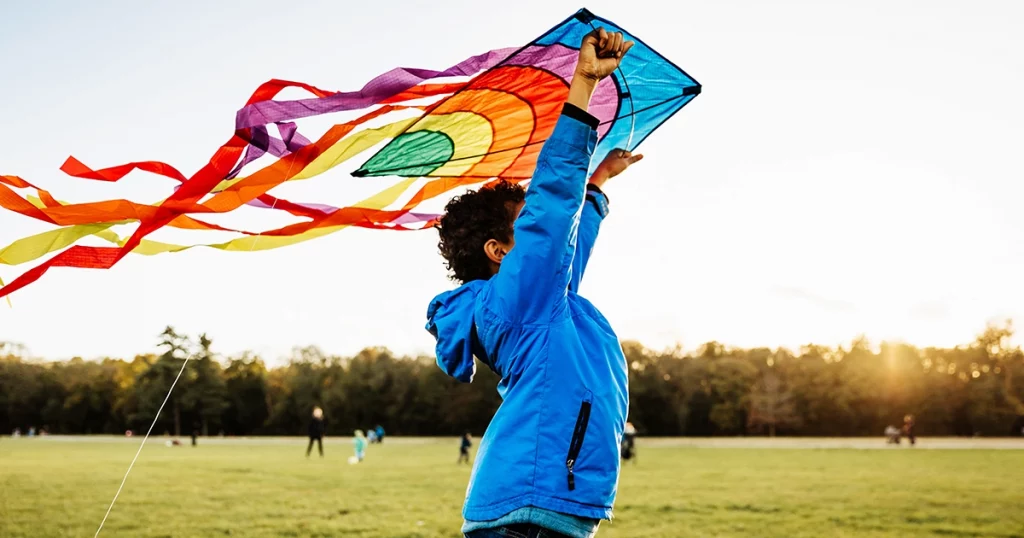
x=852 y=390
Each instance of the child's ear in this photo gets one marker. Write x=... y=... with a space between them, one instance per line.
x=494 y=251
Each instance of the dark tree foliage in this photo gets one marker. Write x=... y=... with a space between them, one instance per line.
x=859 y=389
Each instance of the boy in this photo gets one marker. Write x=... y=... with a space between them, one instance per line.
x=548 y=464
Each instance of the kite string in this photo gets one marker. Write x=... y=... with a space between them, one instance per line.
x=161 y=408
x=139 y=451
x=272 y=206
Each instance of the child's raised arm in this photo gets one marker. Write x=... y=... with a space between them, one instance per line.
x=534 y=275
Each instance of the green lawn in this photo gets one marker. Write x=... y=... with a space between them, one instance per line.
x=62 y=488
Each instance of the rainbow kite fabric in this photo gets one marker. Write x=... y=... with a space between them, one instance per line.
x=461 y=133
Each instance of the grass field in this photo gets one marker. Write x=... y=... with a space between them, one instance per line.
x=412 y=488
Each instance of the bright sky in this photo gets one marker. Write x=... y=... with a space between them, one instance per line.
x=851 y=167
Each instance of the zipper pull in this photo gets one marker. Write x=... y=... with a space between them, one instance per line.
x=572 y=478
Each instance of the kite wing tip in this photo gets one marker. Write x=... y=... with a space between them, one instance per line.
x=360 y=173
x=692 y=90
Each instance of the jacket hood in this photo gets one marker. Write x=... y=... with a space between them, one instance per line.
x=450 y=320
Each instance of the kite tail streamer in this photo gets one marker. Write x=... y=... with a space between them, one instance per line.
x=390 y=85
x=308 y=162
x=105 y=257
x=74 y=167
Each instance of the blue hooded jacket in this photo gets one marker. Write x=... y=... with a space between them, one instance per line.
x=554 y=441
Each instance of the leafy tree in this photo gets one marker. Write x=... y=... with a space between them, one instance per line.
x=995 y=342
x=771 y=405
x=154 y=384
x=730 y=382
x=204 y=395
x=248 y=399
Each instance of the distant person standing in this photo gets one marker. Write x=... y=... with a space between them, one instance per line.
x=379 y=430
x=464 y=448
x=629 y=443
x=317 y=428
x=195 y=433
x=359 y=443
x=908 y=429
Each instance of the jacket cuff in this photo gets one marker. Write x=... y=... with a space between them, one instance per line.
x=572 y=135
x=597 y=197
x=580 y=115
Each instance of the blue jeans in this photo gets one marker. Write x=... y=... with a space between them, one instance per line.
x=519 y=530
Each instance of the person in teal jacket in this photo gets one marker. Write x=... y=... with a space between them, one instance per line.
x=548 y=464
x=359 y=443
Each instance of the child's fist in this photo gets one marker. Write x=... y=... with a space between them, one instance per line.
x=600 y=54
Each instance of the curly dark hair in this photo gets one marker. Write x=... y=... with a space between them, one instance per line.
x=472 y=219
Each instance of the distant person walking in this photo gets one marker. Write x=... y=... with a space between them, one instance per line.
x=908 y=429
x=317 y=429
x=464 y=448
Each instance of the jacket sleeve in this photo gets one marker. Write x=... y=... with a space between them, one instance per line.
x=534 y=277
x=590 y=226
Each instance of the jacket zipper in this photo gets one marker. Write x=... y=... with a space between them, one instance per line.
x=577 y=442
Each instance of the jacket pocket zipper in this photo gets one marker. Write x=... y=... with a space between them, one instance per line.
x=577 y=442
